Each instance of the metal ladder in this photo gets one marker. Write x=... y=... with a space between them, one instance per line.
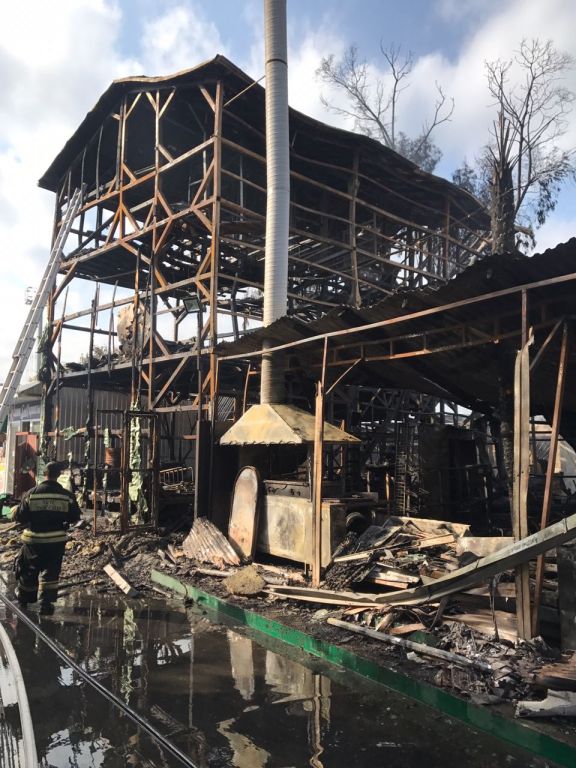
x=25 y=342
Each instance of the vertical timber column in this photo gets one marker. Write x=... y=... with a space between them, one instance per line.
x=552 y=454
x=204 y=450
x=317 y=472
x=46 y=410
x=120 y=167
x=154 y=254
x=353 y=192
x=215 y=245
x=521 y=474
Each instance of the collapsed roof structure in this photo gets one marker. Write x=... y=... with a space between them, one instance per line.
x=445 y=341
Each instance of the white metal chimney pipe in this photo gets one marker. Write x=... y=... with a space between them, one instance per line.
x=278 y=186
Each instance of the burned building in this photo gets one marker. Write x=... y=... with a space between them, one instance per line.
x=419 y=372
x=173 y=178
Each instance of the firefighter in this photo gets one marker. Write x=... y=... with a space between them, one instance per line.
x=45 y=511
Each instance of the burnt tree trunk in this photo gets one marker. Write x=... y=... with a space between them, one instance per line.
x=502 y=209
x=506 y=412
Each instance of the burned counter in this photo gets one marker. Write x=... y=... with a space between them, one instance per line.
x=278 y=442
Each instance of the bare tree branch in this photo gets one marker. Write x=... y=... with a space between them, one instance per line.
x=373 y=102
x=522 y=161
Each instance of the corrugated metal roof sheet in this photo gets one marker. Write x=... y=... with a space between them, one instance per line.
x=487 y=275
x=471 y=376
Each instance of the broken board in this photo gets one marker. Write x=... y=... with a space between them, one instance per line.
x=120 y=581
x=243 y=525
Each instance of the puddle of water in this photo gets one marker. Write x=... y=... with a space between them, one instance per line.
x=222 y=698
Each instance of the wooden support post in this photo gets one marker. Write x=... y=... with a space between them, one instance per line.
x=215 y=242
x=198 y=446
x=552 y=453
x=89 y=387
x=46 y=409
x=95 y=483
x=317 y=487
x=353 y=191
x=246 y=385
x=135 y=307
x=154 y=466
x=154 y=261
x=317 y=472
x=152 y=306
x=124 y=475
x=521 y=475
x=58 y=369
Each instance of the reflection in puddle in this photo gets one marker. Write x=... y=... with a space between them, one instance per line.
x=221 y=697
x=11 y=745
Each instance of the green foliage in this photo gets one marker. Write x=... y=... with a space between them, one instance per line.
x=474 y=179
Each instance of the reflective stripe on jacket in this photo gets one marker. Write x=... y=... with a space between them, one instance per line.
x=49 y=537
x=49 y=502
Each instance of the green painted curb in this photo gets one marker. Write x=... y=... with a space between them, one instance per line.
x=481 y=718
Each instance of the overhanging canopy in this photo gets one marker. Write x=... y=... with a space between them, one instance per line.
x=456 y=342
x=272 y=424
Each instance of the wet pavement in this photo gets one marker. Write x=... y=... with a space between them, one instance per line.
x=222 y=697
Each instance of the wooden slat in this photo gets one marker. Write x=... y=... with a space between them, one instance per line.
x=120 y=581
x=520 y=484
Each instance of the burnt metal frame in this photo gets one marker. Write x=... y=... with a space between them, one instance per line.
x=151 y=470
x=527 y=613
x=347 y=245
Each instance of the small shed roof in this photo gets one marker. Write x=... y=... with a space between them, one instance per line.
x=274 y=424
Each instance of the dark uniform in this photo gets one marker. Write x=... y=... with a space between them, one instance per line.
x=46 y=511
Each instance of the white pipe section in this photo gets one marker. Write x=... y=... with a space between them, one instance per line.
x=278 y=186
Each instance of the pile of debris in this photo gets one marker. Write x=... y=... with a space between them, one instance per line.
x=105 y=562
x=430 y=594
x=397 y=555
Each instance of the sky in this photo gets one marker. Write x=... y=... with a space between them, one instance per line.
x=57 y=57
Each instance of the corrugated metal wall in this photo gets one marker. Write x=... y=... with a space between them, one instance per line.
x=73 y=414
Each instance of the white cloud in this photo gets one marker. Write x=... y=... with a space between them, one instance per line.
x=181 y=38
x=499 y=29
x=55 y=59
x=498 y=36
x=306 y=47
x=304 y=60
